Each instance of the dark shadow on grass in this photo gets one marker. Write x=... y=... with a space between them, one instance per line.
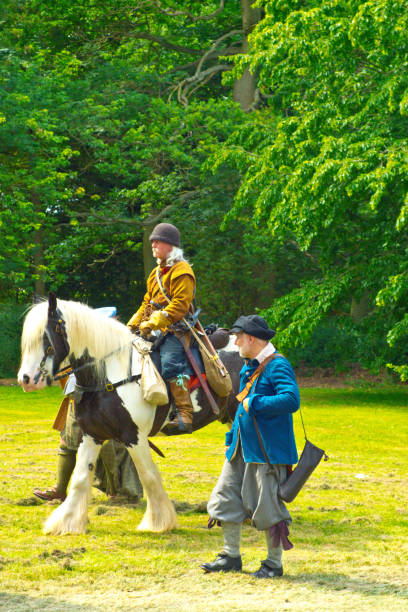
x=122 y=501
x=342 y=582
x=181 y=507
x=21 y=603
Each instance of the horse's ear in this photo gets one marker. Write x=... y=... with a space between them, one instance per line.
x=36 y=298
x=52 y=303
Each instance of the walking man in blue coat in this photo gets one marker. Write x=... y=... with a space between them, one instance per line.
x=248 y=486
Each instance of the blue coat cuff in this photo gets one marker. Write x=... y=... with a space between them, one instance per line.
x=251 y=405
x=228 y=438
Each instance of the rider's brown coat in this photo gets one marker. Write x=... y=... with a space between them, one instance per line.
x=179 y=282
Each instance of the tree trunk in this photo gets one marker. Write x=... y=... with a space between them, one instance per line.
x=361 y=308
x=38 y=254
x=244 y=88
x=149 y=261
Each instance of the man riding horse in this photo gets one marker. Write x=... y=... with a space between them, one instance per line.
x=162 y=310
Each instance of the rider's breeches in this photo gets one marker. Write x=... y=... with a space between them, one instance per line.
x=71 y=435
x=173 y=359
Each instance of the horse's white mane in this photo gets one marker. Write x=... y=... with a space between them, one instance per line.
x=86 y=329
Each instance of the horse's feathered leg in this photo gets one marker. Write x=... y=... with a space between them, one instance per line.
x=72 y=515
x=160 y=514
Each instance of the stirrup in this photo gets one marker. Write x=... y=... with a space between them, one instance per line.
x=177 y=427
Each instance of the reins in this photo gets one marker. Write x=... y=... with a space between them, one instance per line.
x=59 y=329
x=108 y=386
x=61 y=373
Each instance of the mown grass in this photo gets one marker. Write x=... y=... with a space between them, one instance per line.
x=350 y=526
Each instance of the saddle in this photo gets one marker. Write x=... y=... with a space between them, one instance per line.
x=219 y=338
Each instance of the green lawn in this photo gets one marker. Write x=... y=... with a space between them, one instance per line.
x=350 y=523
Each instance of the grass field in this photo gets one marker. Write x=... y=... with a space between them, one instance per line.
x=350 y=527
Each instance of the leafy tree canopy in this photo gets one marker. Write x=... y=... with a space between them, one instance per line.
x=326 y=166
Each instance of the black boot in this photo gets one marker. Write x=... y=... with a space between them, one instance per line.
x=267 y=571
x=223 y=563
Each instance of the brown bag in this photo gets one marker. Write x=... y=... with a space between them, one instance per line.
x=220 y=384
x=217 y=375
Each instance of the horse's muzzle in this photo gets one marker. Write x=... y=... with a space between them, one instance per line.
x=28 y=383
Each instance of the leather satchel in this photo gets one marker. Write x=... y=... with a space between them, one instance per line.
x=308 y=462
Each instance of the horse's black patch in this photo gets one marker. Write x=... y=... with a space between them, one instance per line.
x=102 y=416
x=55 y=339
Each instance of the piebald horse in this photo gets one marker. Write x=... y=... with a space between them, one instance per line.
x=110 y=404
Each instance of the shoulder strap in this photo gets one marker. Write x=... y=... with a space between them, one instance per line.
x=161 y=286
x=261 y=444
x=253 y=379
x=209 y=350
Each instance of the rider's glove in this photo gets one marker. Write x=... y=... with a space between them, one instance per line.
x=158 y=320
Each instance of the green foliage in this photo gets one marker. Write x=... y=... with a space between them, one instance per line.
x=11 y=323
x=324 y=164
x=296 y=315
x=98 y=147
x=328 y=345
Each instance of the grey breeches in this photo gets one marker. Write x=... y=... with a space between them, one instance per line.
x=245 y=490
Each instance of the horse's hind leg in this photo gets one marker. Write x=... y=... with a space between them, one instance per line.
x=72 y=515
x=160 y=514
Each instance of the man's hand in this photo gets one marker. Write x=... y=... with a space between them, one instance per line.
x=158 y=320
x=226 y=449
x=145 y=329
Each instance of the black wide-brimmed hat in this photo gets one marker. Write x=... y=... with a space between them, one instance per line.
x=254 y=325
x=166 y=232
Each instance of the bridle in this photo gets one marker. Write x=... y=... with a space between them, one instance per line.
x=57 y=320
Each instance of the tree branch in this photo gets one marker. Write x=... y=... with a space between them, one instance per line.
x=190 y=16
x=222 y=52
x=202 y=78
x=214 y=46
x=164 y=42
x=186 y=87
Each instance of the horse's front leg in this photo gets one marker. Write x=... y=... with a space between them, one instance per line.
x=160 y=514
x=72 y=515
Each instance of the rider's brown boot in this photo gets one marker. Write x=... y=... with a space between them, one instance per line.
x=183 y=421
x=50 y=494
x=66 y=465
